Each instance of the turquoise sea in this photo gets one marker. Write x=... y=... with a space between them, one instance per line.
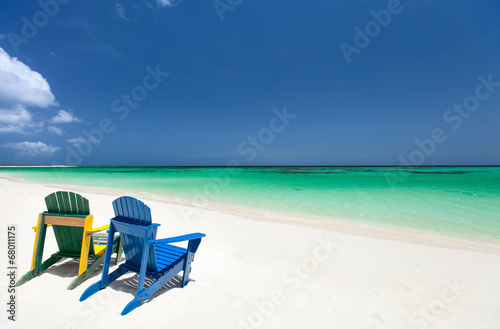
x=451 y=200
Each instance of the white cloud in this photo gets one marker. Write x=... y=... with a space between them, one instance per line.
x=30 y=149
x=15 y=116
x=54 y=130
x=165 y=3
x=65 y=117
x=18 y=120
x=21 y=88
x=77 y=141
x=19 y=85
x=120 y=11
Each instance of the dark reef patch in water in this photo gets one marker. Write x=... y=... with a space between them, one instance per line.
x=147 y=171
x=293 y=172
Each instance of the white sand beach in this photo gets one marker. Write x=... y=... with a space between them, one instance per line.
x=256 y=274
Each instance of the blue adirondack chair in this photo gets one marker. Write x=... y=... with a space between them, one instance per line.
x=156 y=259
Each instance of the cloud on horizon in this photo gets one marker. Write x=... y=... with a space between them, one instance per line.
x=31 y=149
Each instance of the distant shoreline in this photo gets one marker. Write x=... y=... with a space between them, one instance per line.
x=35 y=166
x=263 y=166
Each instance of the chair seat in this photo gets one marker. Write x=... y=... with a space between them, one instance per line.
x=99 y=249
x=168 y=255
x=100 y=243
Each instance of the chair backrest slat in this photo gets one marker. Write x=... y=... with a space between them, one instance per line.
x=73 y=203
x=132 y=208
x=67 y=203
x=50 y=201
x=64 y=205
x=133 y=222
x=69 y=238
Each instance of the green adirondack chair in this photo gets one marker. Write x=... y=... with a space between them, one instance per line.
x=69 y=215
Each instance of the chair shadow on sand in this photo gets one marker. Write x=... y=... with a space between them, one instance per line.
x=65 y=268
x=129 y=285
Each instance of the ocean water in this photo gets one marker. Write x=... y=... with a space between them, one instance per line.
x=449 y=200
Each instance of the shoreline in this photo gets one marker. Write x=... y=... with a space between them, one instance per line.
x=35 y=166
x=339 y=225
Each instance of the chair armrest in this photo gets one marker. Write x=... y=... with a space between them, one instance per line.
x=100 y=228
x=180 y=238
x=36 y=227
x=97 y=229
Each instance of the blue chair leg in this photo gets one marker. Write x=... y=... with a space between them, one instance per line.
x=147 y=293
x=101 y=284
x=187 y=268
x=91 y=290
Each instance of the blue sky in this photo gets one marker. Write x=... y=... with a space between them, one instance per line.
x=242 y=82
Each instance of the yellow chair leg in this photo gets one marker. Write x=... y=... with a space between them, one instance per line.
x=37 y=232
x=85 y=244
